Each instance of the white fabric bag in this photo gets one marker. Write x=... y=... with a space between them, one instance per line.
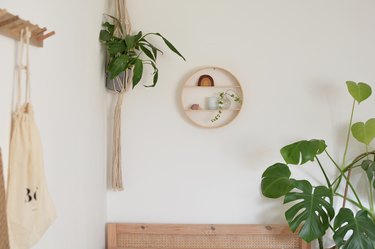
x=29 y=206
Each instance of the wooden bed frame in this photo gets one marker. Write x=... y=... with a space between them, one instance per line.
x=168 y=236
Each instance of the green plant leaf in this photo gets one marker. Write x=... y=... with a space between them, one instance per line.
x=154 y=49
x=313 y=210
x=302 y=151
x=276 y=181
x=364 y=133
x=369 y=167
x=360 y=91
x=147 y=52
x=117 y=66
x=137 y=72
x=109 y=27
x=115 y=47
x=104 y=36
x=361 y=226
x=170 y=46
x=132 y=41
x=156 y=77
x=123 y=53
x=138 y=37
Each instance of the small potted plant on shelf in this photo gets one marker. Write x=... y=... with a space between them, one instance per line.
x=312 y=210
x=224 y=101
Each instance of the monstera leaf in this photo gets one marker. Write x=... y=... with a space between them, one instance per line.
x=362 y=230
x=369 y=167
x=276 y=181
x=313 y=210
x=360 y=91
x=364 y=132
x=302 y=151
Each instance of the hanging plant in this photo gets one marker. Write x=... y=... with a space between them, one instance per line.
x=127 y=54
x=131 y=52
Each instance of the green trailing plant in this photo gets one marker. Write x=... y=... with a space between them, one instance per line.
x=224 y=99
x=312 y=211
x=131 y=52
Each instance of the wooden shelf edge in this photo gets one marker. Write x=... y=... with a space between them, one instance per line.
x=11 y=26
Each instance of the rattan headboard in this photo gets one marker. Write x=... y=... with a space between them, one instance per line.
x=168 y=236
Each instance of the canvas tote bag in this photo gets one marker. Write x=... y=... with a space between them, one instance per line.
x=4 y=240
x=29 y=206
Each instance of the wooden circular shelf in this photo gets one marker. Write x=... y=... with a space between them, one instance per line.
x=194 y=94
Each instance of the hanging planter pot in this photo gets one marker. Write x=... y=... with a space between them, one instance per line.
x=115 y=85
x=127 y=54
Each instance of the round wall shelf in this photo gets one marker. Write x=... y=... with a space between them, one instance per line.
x=201 y=100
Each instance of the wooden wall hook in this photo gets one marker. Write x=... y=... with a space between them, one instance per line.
x=9 y=20
x=38 y=32
x=41 y=38
x=11 y=26
x=2 y=12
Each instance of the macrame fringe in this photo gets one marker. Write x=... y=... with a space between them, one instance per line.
x=117 y=167
x=117 y=183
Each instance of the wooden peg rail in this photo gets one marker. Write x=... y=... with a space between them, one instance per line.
x=11 y=25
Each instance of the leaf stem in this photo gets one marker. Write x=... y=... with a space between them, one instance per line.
x=357 y=159
x=353 y=190
x=347 y=180
x=324 y=173
x=346 y=146
x=351 y=201
x=347 y=168
x=337 y=166
x=348 y=135
x=329 y=156
x=320 y=241
x=346 y=188
x=371 y=187
x=371 y=196
x=358 y=205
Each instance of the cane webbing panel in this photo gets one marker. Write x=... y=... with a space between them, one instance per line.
x=4 y=240
x=207 y=242
x=179 y=236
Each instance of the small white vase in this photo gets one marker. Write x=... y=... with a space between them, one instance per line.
x=212 y=103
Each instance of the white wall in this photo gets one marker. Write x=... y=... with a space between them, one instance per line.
x=292 y=58
x=69 y=101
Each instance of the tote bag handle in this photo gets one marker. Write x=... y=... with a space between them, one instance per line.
x=23 y=66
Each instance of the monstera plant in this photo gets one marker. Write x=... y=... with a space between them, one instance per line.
x=311 y=208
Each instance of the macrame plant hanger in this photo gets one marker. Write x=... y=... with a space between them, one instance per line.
x=121 y=86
